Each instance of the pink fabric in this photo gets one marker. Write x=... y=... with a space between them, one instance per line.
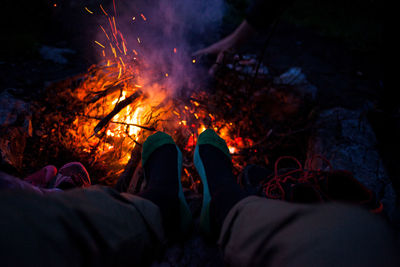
x=42 y=177
x=74 y=173
x=8 y=182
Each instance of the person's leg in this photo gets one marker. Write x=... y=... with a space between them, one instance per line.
x=263 y=232
x=224 y=190
x=42 y=177
x=8 y=182
x=220 y=190
x=162 y=188
x=162 y=163
x=82 y=227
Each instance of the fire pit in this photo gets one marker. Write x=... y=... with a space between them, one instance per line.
x=102 y=117
x=102 y=121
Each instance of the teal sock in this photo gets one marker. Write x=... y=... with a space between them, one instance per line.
x=162 y=185
x=224 y=190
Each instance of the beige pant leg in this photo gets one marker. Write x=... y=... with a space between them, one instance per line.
x=83 y=227
x=263 y=232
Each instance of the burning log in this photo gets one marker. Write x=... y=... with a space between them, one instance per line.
x=99 y=95
x=148 y=128
x=109 y=89
x=121 y=105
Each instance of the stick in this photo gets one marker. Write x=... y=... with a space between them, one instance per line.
x=116 y=110
x=148 y=128
x=109 y=89
x=125 y=179
x=101 y=94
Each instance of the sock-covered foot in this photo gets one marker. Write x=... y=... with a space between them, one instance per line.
x=42 y=177
x=71 y=175
x=224 y=190
x=161 y=174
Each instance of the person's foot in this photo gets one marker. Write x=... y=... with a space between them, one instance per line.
x=220 y=190
x=42 y=177
x=162 y=164
x=71 y=175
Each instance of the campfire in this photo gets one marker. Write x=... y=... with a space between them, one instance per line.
x=102 y=117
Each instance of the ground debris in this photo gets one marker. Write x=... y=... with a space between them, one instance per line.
x=348 y=141
x=15 y=128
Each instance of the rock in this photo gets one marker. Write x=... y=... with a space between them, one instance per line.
x=12 y=109
x=348 y=141
x=15 y=127
x=55 y=54
x=247 y=65
x=295 y=77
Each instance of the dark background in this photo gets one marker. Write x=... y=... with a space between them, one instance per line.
x=337 y=43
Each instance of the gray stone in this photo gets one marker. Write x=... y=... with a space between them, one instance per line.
x=348 y=141
x=11 y=108
x=247 y=65
x=15 y=127
x=55 y=54
x=295 y=77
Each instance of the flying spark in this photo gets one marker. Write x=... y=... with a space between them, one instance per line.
x=105 y=13
x=99 y=44
x=88 y=10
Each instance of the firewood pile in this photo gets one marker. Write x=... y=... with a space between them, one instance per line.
x=101 y=118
